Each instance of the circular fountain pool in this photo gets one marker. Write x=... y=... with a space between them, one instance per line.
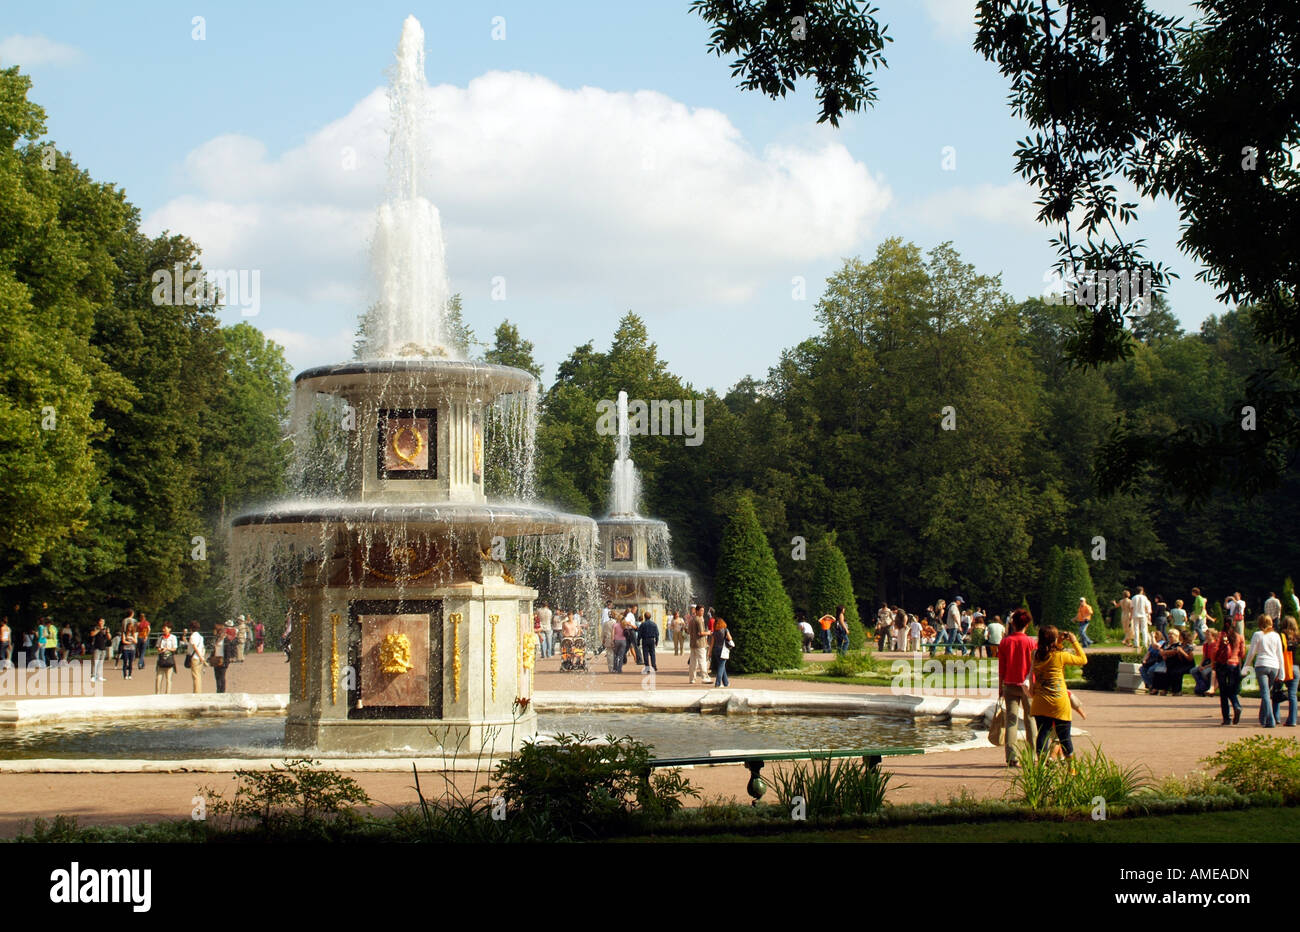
x=671 y=734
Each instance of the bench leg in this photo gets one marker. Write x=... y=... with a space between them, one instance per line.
x=756 y=786
x=872 y=761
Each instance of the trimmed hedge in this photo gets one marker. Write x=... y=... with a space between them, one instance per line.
x=832 y=585
x=1102 y=671
x=752 y=600
x=1069 y=579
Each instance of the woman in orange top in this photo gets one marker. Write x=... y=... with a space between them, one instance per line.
x=1050 y=703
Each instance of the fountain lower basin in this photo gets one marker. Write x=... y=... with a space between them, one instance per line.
x=230 y=732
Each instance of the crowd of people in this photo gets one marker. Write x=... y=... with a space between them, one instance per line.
x=627 y=632
x=954 y=626
x=1226 y=658
x=128 y=646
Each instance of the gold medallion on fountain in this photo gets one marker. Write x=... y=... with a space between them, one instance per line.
x=406 y=444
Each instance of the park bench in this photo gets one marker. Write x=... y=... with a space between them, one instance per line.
x=755 y=761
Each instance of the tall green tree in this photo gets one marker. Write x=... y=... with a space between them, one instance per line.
x=58 y=229
x=510 y=349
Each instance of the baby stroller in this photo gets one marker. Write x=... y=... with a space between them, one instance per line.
x=573 y=654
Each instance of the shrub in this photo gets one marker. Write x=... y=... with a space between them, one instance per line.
x=1101 y=671
x=854 y=663
x=752 y=600
x=1260 y=764
x=831 y=787
x=294 y=799
x=582 y=790
x=1041 y=781
x=832 y=585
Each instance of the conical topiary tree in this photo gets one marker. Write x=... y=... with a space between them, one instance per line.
x=1051 y=582
x=1289 y=604
x=832 y=586
x=1073 y=580
x=752 y=600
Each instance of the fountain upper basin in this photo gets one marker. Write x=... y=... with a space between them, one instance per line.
x=506 y=519
x=376 y=377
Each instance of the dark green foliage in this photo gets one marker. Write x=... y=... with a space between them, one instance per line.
x=837 y=42
x=1289 y=599
x=1201 y=113
x=1102 y=671
x=510 y=349
x=585 y=790
x=161 y=422
x=832 y=586
x=751 y=599
x=853 y=663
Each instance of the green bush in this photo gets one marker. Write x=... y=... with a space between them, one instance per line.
x=1260 y=764
x=854 y=663
x=752 y=600
x=1101 y=671
x=584 y=790
x=828 y=788
x=294 y=799
x=832 y=585
x=1042 y=782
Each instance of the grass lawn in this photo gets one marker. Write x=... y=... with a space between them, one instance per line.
x=959 y=674
x=1217 y=827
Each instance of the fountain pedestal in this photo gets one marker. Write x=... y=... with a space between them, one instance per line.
x=467 y=689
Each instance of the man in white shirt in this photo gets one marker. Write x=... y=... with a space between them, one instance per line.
x=1273 y=608
x=1235 y=609
x=806 y=634
x=995 y=631
x=607 y=634
x=914 y=634
x=195 y=655
x=544 y=632
x=1141 y=619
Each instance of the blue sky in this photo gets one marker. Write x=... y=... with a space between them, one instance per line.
x=554 y=170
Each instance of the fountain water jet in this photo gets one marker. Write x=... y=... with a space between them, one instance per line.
x=635 y=566
x=410 y=630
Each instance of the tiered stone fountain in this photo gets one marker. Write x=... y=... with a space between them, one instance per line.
x=409 y=630
x=635 y=566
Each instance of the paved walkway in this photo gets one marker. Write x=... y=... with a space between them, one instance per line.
x=1169 y=735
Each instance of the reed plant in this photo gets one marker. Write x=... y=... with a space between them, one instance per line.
x=1042 y=781
x=844 y=786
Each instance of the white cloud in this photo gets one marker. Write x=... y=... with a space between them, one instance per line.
x=952 y=19
x=608 y=198
x=309 y=346
x=1010 y=204
x=32 y=51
